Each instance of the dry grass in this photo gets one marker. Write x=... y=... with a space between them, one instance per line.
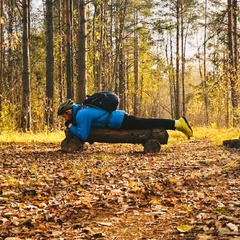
x=214 y=134
x=44 y=137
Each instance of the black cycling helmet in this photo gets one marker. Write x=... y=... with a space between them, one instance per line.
x=65 y=106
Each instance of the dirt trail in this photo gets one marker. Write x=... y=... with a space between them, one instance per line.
x=115 y=191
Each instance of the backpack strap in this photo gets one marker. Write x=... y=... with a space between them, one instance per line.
x=74 y=116
x=108 y=118
x=85 y=106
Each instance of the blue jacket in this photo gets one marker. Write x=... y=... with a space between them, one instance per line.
x=87 y=117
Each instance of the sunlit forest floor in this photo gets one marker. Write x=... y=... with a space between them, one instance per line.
x=190 y=190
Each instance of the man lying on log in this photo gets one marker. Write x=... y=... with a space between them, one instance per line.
x=80 y=119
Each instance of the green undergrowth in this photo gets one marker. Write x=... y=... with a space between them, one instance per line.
x=200 y=133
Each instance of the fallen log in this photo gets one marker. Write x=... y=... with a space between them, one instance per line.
x=232 y=143
x=150 y=138
x=127 y=136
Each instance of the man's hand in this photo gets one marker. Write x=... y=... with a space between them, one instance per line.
x=67 y=123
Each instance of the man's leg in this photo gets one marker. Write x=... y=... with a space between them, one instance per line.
x=132 y=122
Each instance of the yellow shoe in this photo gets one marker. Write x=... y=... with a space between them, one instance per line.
x=182 y=125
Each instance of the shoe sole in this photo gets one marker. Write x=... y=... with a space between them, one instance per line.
x=186 y=121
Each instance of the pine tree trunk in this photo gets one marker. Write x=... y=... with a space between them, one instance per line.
x=26 y=94
x=60 y=52
x=81 y=59
x=177 y=96
x=69 y=45
x=136 y=75
x=49 y=64
x=1 y=56
x=232 y=66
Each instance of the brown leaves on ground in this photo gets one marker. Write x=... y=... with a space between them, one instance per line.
x=115 y=191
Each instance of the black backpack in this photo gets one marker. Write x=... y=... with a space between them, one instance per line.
x=104 y=100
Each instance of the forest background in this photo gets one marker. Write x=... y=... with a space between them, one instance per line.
x=163 y=58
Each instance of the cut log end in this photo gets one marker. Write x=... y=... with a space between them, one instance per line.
x=72 y=144
x=152 y=146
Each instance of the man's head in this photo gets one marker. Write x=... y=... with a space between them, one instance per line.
x=65 y=109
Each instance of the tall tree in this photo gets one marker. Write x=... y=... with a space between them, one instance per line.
x=120 y=59
x=81 y=57
x=204 y=81
x=97 y=37
x=69 y=47
x=10 y=52
x=183 y=43
x=1 y=52
x=49 y=65
x=136 y=66
x=26 y=89
x=232 y=6
x=60 y=52
x=177 y=86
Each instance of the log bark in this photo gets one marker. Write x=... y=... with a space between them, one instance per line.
x=127 y=136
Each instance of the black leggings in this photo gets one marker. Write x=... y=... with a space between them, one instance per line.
x=132 y=122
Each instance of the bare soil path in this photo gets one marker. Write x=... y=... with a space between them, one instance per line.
x=115 y=191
